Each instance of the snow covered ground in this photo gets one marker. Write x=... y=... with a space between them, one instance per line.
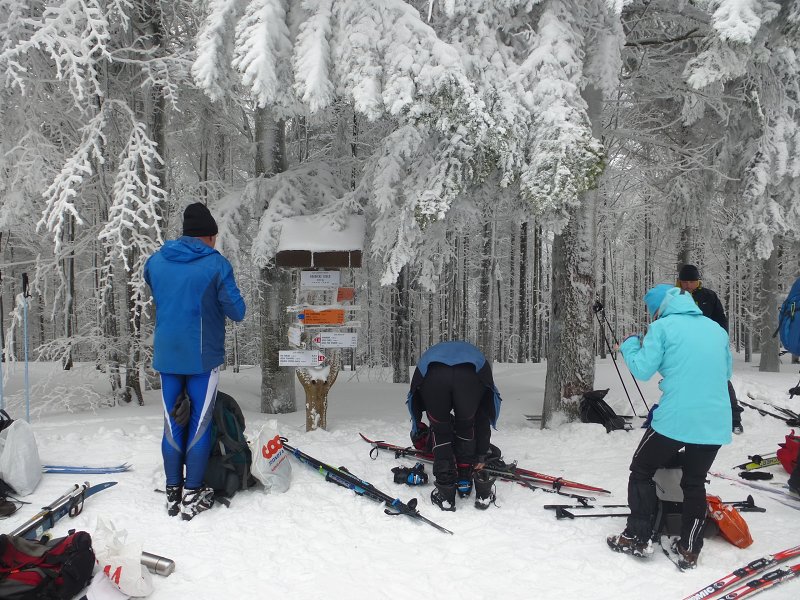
x=321 y=541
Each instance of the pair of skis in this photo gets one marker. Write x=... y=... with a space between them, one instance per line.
x=508 y=472
x=70 y=503
x=779 y=494
x=753 y=586
x=344 y=478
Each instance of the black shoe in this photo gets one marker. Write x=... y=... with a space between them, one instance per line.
x=196 y=501
x=444 y=496
x=686 y=560
x=484 y=490
x=738 y=429
x=174 y=494
x=794 y=488
x=628 y=544
x=464 y=481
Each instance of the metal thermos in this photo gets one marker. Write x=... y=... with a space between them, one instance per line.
x=158 y=564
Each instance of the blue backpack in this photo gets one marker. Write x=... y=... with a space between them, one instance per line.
x=789 y=320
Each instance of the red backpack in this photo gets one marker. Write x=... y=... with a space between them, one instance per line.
x=788 y=451
x=55 y=570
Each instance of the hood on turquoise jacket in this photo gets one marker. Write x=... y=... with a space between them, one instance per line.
x=194 y=290
x=692 y=354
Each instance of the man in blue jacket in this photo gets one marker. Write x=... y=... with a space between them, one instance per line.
x=453 y=384
x=194 y=290
x=692 y=355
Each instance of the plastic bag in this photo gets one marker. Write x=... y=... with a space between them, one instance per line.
x=20 y=466
x=271 y=464
x=732 y=525
x=121 y=560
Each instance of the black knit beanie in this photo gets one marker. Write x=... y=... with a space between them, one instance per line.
x=198 y=222
x=688 y=273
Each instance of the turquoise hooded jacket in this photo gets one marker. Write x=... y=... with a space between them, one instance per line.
x=692 y=354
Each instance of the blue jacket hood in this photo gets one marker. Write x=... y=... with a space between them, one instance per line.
x=185 y=249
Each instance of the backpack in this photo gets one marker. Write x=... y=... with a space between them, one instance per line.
x=593 y=409
x=788 y=325
x=54 y=570
x=228 y=468
x=669 y=507
x=788 y=451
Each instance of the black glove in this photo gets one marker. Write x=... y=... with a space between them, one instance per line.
x=181 y=411
x=421 y=439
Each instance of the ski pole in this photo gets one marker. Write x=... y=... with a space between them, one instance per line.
x=614 y=336
x=597 y=308
x=25 y=344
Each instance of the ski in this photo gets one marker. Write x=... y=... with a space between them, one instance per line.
x=69 y=503
x=507 y=469
x=761 y=411
x=84 y=470
x=769 y=580
x=754 y=567
x=778 y=494
x=758 y=462
x=346 y=479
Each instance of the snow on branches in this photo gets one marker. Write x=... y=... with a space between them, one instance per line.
x=215 y=49
x=73 y=35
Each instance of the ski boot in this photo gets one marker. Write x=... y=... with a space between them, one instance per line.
x=464 y=481
x=484 y=490
x=444 y=496
x=196 y=501
x=685 y=560
x=174 y=494
x=628 y=544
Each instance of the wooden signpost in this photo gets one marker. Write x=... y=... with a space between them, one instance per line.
x=322 y=304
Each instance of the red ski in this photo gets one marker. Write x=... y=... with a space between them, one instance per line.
x=765 y=582
x=510 y=470
x=753 y=568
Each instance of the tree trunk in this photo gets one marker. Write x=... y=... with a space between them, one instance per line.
x=401 y=329
x=523 y=351
x=570 y=354
x=275 y=284
x=485 y=332
x=768 y=311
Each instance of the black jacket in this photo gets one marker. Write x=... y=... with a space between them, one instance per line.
x=708 y=301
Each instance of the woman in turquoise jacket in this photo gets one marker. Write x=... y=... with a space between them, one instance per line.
x=692 y=354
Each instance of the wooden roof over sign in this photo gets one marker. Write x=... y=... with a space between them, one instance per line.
x=311 y=241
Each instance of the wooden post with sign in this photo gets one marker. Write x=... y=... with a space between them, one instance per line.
x=317 y=393
x=322 y=304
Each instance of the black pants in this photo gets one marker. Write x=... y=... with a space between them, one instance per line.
x=736 y=410
x=654 y=451
x=452 y=396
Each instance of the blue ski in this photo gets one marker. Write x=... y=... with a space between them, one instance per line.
x=76 y=469
x=70 y=503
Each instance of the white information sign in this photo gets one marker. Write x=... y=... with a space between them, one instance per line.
x=336 y=339
x=295 y=334
x=319 y=280
x=300 y=358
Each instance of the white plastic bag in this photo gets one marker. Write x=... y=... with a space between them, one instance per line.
x=20 y=466
x=121 y=560
x=102 y=588
x=271 y=464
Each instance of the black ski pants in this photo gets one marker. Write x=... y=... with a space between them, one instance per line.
x=451 y=396
x=736 y=410
x=654 y=451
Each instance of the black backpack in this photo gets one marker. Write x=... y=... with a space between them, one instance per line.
x=594 y=409
x=228 y=469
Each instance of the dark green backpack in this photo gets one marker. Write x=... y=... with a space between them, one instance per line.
x=228 y=469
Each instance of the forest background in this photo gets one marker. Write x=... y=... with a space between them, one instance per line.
x=515 y=160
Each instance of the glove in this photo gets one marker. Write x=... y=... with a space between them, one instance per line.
x=411 y=476
x=181 y=411
x=421 y=439
x=649 y=418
